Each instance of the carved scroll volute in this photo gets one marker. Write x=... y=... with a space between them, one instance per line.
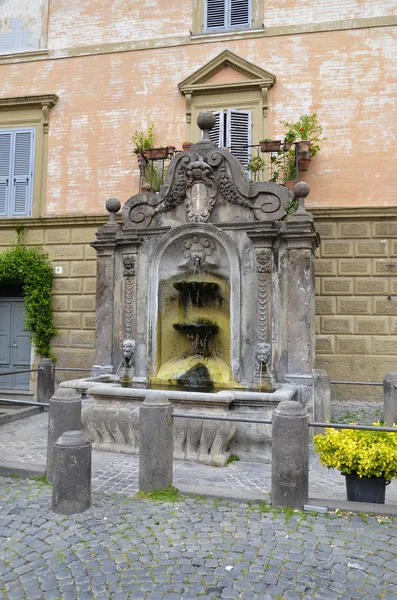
x=129 y=261
x=263 y=267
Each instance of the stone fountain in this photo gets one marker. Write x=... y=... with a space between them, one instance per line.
x=213 y=289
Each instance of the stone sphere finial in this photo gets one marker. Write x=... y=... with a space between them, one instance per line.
x=301 y=190
x=206 y=121
x=113 y=205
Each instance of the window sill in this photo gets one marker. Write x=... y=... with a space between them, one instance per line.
x=230 y=33
x=23 y=56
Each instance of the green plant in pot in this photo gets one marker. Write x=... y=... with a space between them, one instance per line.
x=368 y=460
x=308 y=136
x=143 y=140
x=254 y=166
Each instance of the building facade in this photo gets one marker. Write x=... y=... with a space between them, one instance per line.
x=79 y=78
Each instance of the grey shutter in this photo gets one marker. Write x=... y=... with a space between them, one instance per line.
x=22 y=176
x=216 y=133
x=240 y=13
x=238 y=137
x=5 y=170
x=215 y=14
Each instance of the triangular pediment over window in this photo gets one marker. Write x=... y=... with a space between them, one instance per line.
x=226 y=72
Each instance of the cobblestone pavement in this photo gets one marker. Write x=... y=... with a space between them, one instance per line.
x=25 y=441
x=126 y=548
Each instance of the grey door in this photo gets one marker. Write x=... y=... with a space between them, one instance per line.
x=14 y=344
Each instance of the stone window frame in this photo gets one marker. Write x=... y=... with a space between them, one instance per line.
x=198 y=24
x=250 y=94
x=31 y=112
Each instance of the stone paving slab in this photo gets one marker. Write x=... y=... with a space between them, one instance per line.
x=25 y=441
x=124 y=548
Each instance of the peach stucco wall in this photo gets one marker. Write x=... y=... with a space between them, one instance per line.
x=348 y=77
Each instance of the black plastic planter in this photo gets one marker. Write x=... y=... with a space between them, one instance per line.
x=365 y=489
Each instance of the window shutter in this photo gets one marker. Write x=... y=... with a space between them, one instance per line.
x=216 y=133
x=238 y=137
x=22 y=184
x=240 y=13
x=215 y=14
x=5 y=170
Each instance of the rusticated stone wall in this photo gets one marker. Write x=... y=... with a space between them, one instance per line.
x=356 y=303
x=66 y=241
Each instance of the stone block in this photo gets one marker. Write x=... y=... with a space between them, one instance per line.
x=61 y=339
x=34 y=237
x=57 y=236
x=325 y=344
x=337 y=325
x=372 y=248
x=393 y=325
x=334 y=286
x=325 y=306
x=354 y=230
x=371 y=286
x=336 y=249
x=393 y=251
x=82 y=303
x=66 y=321
x=353 y=345
x=371 y=325
x=83 y=235
x=325 y=267
x=89 y=321
x=89 y=253
x=385 y=345
x=326 y=230
x=354 y=267
x=75 y=357
x=89 y=285
x=63 y=252
x=384 y=229
x=393 y=282
x=317 y=286
x=317 y=325
x=353 y=306
x=385 y=267
x=67 y=286
x=385 y=307
x=61 y=303
x=8 y=237
x=82 y=339
x=83 y=269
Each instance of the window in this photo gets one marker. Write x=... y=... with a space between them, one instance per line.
x=24 y=125
x=233 y=130
x=16 y=172
x=222 y=15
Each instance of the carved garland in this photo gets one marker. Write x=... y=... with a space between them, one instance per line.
x=129 y=275
x=263 y=268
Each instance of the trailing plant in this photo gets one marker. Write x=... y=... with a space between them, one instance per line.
x=31 y=267
x=365 y=453
x=143 y=141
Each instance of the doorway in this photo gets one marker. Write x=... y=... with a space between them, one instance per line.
x=15 y=345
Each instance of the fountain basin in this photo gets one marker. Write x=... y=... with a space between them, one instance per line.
x=110 y=419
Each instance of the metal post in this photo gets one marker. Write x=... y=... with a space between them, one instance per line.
x=71 y=492
x=64 y=415
x=156 y=443
x=290 y=455
x=390 y=399
x=45 y=380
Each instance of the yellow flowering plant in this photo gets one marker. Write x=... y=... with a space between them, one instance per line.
x=364 y=453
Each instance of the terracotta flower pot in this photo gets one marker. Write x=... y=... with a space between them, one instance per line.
x=303 y=146
x=303 y=164
x=287 y=146
x=270 y=145
x=156 y=153
x=186 y=146
x=290 y=184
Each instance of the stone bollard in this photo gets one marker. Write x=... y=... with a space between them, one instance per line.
x=64 y=415
x=45 y=380
x=390 y=399
x=71 y=492
x=290 y=455
x=156 y=443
